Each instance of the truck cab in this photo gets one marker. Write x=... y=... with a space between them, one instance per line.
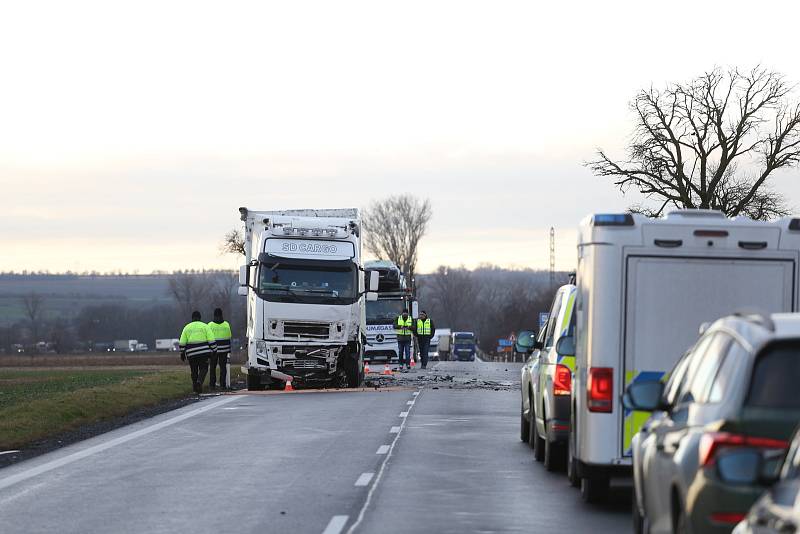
x=464 y=346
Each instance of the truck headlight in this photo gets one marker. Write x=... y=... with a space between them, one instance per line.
x=261 y=348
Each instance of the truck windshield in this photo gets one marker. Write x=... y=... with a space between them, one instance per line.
x=465 y=341
x=382 y=311
x=312 y=283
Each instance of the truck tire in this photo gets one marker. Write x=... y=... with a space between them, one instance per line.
x=594 y=489
x=553 y=455
x=524 y=425
x=254 y=382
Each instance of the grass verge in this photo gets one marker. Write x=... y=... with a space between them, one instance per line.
x=37 y=404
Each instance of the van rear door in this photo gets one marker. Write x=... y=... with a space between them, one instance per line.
x=667 y=299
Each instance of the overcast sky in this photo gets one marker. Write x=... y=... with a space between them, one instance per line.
x=130 y=132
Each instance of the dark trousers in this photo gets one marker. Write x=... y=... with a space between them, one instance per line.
x=403 y=350
x=220 y=358
x=424 y=347
x=199 y=367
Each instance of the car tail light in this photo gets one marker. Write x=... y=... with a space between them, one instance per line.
x=562 y=382
x=712 y=442
x=728 y=518
x=600 y=389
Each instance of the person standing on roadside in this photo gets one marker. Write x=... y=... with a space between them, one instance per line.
x=197 y=344
x=424 y=331
x=402 y=328
x=222 y=335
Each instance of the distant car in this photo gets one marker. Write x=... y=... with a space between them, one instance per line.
x=523 y=346
x=547 y=383
x=776 y=512
x=732 y=396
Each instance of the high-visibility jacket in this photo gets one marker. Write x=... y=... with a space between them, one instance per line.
x=403 y=326
x=222 y=335
x=424 y=327
x=197 y=340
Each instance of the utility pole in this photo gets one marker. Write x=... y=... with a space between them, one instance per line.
x=552 y=258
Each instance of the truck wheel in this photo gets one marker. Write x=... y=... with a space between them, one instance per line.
x=572 y=463
x=352 y=372
x=254 y=382
x=594 y=489
x=553 y=455
x=524 y=425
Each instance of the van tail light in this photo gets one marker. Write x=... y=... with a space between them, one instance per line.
x=600 y=389
x=712 y=442
x=562 y=382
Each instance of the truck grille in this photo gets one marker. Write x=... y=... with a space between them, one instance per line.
x=306 y=330
x=304 y=364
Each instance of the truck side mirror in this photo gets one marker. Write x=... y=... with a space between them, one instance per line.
x=244 y=280
x=415 y=309
x=361 y=288
x=372 y=296
x=374 y=280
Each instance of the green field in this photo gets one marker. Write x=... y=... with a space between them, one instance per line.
x=40 y=403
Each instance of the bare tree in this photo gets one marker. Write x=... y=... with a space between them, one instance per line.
x=711 y=143
x=394 y=227
x=34 y=312
x=223 y=291
x=455 y=293
x=233 y=242
x=190 y=292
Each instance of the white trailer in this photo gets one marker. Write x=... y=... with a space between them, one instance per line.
x=168 y=344
x=125 y=345
x=645 y=287
x=305 y=289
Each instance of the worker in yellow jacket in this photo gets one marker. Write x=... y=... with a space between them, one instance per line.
x=222 y=335
x=197 y=343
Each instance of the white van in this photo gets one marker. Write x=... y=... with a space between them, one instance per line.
x=645 y=287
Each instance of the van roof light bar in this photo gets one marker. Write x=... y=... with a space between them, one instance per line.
x=612 y=219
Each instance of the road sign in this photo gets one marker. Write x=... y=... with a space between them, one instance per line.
x=505 y=343
x=543 y=317
x=505 y=349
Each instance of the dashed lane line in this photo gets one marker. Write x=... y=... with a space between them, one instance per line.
x=378 y=477
x=383 y=449
x=364 y=479
x=336 y=524
x=394 y=430
x=410 y=403
x=85 y=453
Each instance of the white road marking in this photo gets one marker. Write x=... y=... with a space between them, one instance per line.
x=336 y=524
x=394 y=430
x=415 y=393
x=7 y=452
x=377 y=479
x=383 y=449
x=74 y=457
x=403 y=414
x=364 y=479
x=410 y=403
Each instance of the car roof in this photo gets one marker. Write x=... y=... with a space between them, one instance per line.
x=759 y=328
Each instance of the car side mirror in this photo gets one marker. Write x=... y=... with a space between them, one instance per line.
x=565 y=346
x=644 y=396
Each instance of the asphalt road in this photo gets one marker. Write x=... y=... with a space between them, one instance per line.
x=441 y=453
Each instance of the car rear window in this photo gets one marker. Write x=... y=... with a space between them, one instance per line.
x=776 y=377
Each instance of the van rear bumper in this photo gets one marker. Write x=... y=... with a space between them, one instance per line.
x=603 y=470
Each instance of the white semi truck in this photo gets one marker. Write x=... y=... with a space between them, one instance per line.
x=305 y=289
